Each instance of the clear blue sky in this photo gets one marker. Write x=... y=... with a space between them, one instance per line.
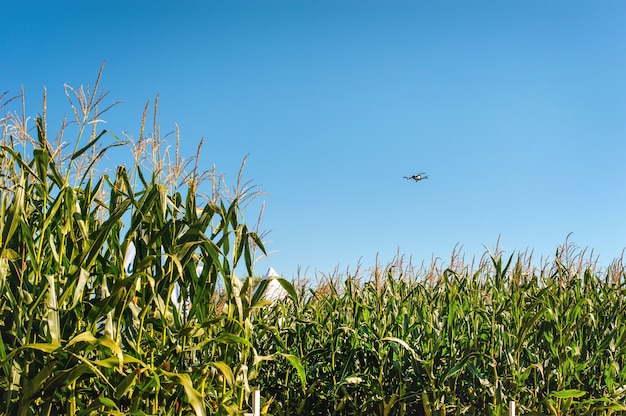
x=515 y=109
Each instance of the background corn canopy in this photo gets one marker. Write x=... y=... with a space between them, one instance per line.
x=455 y=341
x=119 y=296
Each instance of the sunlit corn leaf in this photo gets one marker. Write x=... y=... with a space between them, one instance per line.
x=567 y=394
x=226 y=372
x=194 y=397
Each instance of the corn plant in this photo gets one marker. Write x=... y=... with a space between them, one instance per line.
x=119 y=291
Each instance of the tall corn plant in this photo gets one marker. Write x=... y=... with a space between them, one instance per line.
x=90 y=328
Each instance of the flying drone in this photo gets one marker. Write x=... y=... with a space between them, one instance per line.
x=417 y=177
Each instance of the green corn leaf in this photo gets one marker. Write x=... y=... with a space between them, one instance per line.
x=83 y=276
x=104 y=401
x=15 y=212
x=17 y=158
x=41 y=347
x=94 y=159
x=86 y=336
x=126 y=383
x=42 y=160
x=289 y=288
x=52 y=318
x=113 y=362
x=567 y=394
x=399 y=341
x=29 y=241
x=88 y=146
x=193 y=395
x=226 y=371
x=226 y=338
x=297 y=364
x=478 y=374
x=98 y=239
x=259 y=292
x=458 y=366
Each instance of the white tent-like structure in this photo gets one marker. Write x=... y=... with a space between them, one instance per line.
x=274 y=289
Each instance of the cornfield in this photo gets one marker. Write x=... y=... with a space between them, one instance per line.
x=456 y=340
x=120 y=295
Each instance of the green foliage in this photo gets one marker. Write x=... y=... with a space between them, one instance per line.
x=86 y=328
x=454 y=341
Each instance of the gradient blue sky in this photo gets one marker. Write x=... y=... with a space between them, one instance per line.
x=515 y=109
